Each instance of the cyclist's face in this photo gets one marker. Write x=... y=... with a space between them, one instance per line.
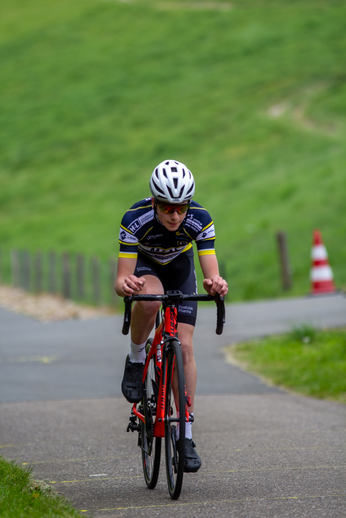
x=171 y=221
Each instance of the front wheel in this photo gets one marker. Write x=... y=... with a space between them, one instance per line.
x=150 y=445
x=175 y=419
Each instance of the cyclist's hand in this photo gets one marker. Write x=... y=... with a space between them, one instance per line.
x=216 y=285
x=132 y=284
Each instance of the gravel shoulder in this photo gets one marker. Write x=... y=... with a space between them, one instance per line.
x=46 y=307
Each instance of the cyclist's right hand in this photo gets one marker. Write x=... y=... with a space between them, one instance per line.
x=132 y=284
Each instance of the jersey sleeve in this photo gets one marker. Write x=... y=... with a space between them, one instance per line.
x=205 y=240
x=128 y=243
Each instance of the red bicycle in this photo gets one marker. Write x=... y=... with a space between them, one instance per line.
x=164 y=408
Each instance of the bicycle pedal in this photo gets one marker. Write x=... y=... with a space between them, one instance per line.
x=133 y=427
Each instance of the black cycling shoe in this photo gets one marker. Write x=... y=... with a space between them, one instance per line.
x=132 y=384
x=192 y=460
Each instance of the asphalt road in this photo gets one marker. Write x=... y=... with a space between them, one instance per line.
x=264 y=452
x=85 y=359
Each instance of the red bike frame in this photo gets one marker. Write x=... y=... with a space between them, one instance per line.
x=166 y=331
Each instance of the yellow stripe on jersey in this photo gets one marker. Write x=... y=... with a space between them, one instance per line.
x=128 y=255
x=206 y=252
x=210 y=224
x=143 y=207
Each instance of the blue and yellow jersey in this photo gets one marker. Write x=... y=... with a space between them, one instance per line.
x=141 y=230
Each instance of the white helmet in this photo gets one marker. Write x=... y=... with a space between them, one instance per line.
x=172 y=181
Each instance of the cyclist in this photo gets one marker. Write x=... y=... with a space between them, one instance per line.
x=156 y=255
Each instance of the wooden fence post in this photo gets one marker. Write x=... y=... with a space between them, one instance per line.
x=38 y=272
x=95 y=272
x=26 y=270
x=52 y=281
x=286 y=279
x=80 y=275
x=15 y=269
x=66 y=276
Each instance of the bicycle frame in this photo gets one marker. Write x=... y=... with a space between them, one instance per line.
x=166 y=331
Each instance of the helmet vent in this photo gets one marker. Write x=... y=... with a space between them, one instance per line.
x=174 y=170
x=158 y=188
x=181 y=192
x=188 y=192
x=164 y=172
x=175 y=181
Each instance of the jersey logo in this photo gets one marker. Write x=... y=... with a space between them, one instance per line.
x=134 y=226
x=141 y=221
x=126 y=237
x=193 y=223
x=208 y=233
x=153 y=237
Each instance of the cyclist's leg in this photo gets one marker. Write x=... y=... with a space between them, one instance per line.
x=185 y=333
x=144 y=313
x=142 y=322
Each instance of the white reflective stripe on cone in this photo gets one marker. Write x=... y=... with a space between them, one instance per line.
x=319 y=252
x=322 y=273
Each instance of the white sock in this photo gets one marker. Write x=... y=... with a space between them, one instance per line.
x=188 y=429
x=137 y=353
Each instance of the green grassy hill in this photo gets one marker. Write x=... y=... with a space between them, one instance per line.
x=251 y=95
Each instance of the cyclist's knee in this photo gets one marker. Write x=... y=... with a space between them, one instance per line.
x=152 y=286
x=187 y=348
x=148 y=309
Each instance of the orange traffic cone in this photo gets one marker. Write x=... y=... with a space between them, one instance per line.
x=321 y=272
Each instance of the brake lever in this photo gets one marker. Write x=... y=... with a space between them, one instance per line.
x=127 y=314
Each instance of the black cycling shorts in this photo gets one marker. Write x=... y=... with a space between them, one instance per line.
x=179 y=274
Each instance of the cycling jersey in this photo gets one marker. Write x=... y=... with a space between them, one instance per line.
x=142 y=231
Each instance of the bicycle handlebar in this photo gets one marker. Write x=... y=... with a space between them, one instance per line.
x=174 y=297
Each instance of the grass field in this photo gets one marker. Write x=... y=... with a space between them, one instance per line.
x=250 y=95
x=21 y=496
x=306 y=361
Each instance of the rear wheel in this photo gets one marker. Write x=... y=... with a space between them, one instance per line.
x=175 y=449
x=150 y=445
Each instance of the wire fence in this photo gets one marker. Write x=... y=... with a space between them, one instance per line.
x=77 y=277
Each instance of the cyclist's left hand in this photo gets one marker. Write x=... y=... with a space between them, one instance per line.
x=216 y=285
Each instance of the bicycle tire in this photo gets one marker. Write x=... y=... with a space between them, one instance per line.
x=175 y=450
x=150 y=445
